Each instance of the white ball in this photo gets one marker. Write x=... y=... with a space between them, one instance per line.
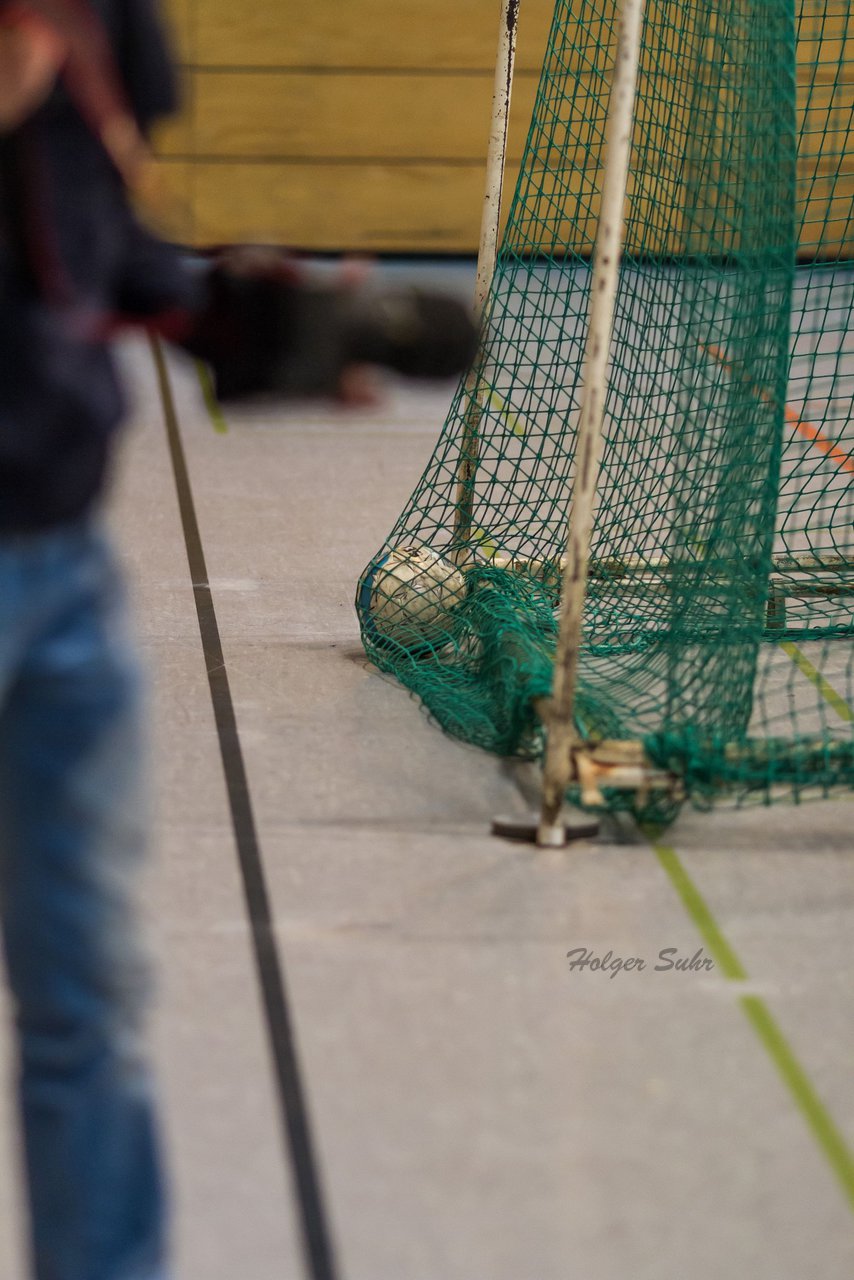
x=412 y=590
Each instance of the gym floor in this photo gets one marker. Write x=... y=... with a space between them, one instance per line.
x=375 y=1060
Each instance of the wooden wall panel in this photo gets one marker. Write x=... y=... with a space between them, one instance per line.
x=825 y=33
x=363 y=126
x=348 y=117
x=435 y=205
x=392 y=34
x=375 y=207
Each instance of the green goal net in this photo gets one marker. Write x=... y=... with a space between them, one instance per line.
x=718 y=621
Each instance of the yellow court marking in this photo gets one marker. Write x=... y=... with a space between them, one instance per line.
x=215 y=413
x=514 y=422
x=819 y=1120
x=484 y=541
x=833 y=699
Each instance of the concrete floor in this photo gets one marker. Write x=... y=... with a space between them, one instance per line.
x=459 y=1105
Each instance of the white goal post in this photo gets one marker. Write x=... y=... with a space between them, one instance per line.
x=496 y=159
x=559 y=768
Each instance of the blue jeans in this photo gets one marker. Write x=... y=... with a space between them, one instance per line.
x=71 y=841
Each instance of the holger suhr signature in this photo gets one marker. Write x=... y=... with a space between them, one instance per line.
x=667 y=960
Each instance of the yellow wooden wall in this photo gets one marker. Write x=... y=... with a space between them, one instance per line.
x=362 y=124
x=341 y=124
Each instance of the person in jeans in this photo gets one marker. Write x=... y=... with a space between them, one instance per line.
x=80 y=85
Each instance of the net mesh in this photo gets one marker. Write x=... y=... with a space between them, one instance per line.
x=718 y=620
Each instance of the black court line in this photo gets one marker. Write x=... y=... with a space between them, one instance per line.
x=296 y=1130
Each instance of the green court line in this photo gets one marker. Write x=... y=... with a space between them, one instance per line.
x=838 y=1154
x=215 y=413
x=724 y=956
x=842 y=708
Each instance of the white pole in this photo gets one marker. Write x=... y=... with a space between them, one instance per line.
x=487 y=253
x=496 y=153
x=558 y=766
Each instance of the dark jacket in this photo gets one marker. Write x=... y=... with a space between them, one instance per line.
x=72 y=254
